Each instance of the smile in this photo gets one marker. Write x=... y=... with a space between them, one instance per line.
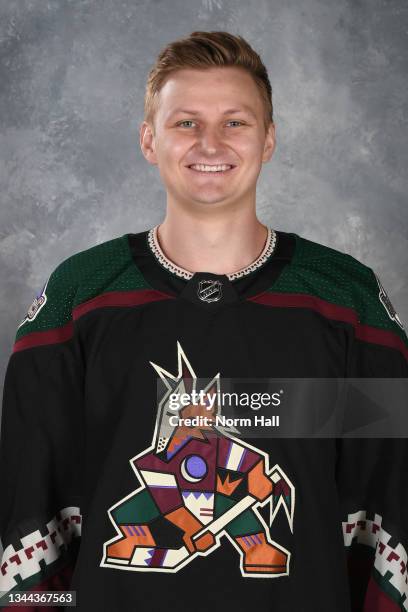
x=213 y=170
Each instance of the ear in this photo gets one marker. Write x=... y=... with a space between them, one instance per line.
x=270 y=143
x=147 y=142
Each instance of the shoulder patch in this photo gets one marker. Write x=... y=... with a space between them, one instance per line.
x=38 y=303
x=386 y=302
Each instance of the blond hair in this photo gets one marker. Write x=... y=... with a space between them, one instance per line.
x=202 y=50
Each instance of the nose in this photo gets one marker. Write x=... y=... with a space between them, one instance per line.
x=210 y=140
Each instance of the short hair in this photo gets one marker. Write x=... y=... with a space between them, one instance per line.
x=201 y=50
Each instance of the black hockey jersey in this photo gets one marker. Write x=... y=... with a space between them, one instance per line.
x=113 y=487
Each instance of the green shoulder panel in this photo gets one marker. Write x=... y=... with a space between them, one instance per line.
x=100 y=269
x=339 y=278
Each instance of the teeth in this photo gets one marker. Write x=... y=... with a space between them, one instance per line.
x=204 y=168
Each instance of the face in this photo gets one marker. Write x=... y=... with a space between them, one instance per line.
x=213 y=117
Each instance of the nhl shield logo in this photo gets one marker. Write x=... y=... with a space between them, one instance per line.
x=386 y=302
x=209 y=290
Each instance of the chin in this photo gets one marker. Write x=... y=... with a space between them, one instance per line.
x=208 y=197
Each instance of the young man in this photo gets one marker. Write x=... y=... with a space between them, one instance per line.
x=123 y=358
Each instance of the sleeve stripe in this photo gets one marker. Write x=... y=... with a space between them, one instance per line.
x=37 y=553
x=120 y=298
x=59 y=582
x=304 y=300
x=113 y=298
x=50 y=336
x=367 y=333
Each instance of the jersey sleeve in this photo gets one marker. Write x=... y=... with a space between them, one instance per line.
x=41 y=443
x=371 y=473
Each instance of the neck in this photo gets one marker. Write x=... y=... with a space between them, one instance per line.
x=217 y=245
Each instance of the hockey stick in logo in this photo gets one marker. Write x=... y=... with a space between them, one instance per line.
x=283 y=497
x=283 y=494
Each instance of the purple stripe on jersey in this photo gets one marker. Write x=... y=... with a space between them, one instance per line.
x=164 y=556
x=242 y=458
x=158 y=557
x=228 y=454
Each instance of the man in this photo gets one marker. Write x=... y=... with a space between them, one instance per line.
x=209 y=294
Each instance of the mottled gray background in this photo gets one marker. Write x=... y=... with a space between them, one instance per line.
x=72 y=84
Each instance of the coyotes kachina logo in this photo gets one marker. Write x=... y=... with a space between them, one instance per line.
x=198 y=487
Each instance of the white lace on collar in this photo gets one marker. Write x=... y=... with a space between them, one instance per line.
x=182 y=273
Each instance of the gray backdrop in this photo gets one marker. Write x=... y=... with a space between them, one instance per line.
x=72 y=75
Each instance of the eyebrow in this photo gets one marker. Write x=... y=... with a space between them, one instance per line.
x=229 y=111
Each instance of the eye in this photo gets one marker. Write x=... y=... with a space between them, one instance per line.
x=189 y=121
x=186 y=121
